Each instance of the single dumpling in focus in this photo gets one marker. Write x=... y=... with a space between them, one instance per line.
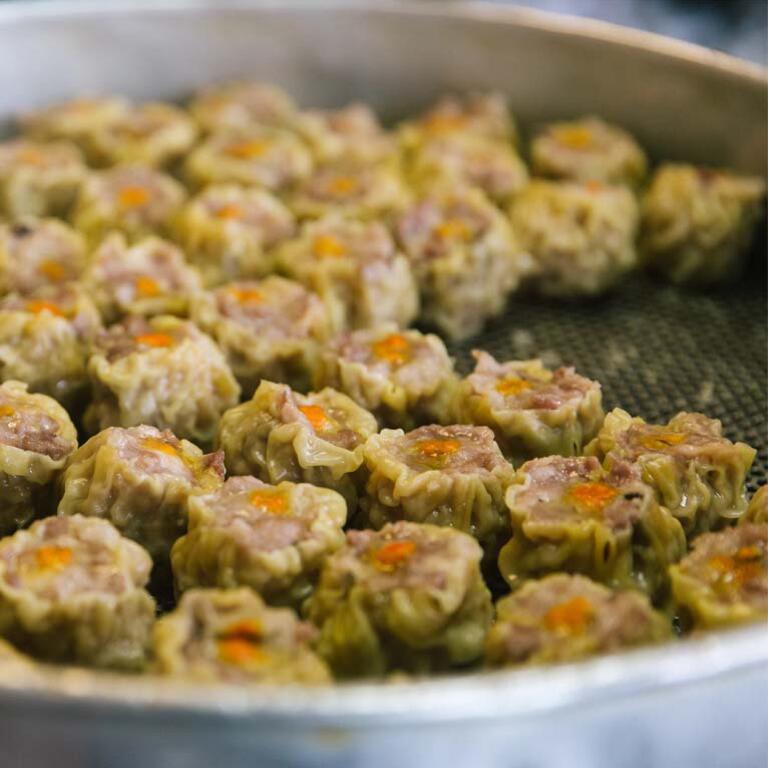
x=356 y=270
x=588 y=149
x=563 y=618
x=697 y=474
x=228 y=231
x=39 y=253
x=697 y=223
x=724 y=579
x=148 y=278
x=532 y=410
x=133 y=199
x=45 y=340
x=38 y=179
x=160 y=371
x=282 y=435
x=72 y=591
x=140 y=479
x=267 y=329
x=404 y=378
x=465 y=256
x=581 y=235
x=272 y=538
x=407 y=598
x=453 y=476
x=569 y=514
x=36 y=438
x=231 y=636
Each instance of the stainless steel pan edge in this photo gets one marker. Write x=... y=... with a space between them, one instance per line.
x=328 y=52
x=698 y=703
x=464 y=9
x=673 y=705
x=536 y=690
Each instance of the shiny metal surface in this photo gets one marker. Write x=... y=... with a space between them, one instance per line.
x=701 y=702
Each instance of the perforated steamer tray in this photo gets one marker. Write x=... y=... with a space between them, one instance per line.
x=656 y=350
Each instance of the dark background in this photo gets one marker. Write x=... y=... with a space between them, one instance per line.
x=738 y=27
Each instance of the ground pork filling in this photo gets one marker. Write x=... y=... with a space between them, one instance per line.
x=251 y=209
x=155 y=452
x=42 y=252
x=137 y=334
x=274 y=308
x=406 y=357
x=404 y=555
x=560 y=490
x=732 y=565
x=329 y=422
x=263 y=517
x=66 y=560
x=526 y=385
x=563 y=616
x=25 y=427
x=455 y=449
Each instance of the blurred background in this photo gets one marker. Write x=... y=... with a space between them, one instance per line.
x=738 y=27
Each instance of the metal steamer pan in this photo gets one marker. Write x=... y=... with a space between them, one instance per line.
x=703 y=701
